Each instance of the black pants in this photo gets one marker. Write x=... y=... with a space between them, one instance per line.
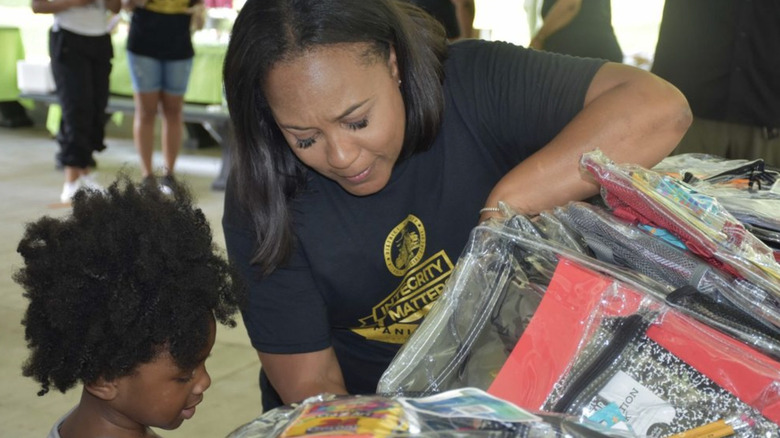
x=81 y=66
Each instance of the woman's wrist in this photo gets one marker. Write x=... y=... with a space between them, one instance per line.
x=490 y=210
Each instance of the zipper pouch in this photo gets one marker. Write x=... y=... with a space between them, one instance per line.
x=493 y=293
x=734 y=305
x=595 y=348
x=491 y=297
x=640 y=195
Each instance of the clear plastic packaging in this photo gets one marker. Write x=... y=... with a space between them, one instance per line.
x=713 y=296
x=641 y=195
x=497 y=285
x=466 y=412
x=529 y=320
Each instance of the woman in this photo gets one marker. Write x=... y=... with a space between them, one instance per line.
x=159 y=52
x=367 y=150
x=80 y=51
x=578 y=28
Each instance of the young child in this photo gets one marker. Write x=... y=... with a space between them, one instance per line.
x=123 y=297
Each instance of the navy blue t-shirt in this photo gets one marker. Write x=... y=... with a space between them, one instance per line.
x=366 y=270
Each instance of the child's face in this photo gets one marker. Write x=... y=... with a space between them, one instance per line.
x=162 y=395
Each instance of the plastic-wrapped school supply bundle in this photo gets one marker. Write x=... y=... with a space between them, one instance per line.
x=747 y=189
x=466 y=412
x=549 y=329
x=713 y=296
x=693 y=168
x=635 y=362
x=707 y=229
x=496 y=286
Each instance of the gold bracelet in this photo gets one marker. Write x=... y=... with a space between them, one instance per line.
x=489 y=210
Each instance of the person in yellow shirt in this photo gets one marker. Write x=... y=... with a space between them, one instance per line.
x=159 y=52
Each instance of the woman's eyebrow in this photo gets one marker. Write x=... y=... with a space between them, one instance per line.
x=345 y=113
x=349 y=110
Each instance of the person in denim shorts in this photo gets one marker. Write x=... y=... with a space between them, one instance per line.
x=159 y=52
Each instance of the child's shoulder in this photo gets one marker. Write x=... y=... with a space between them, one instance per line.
x=55 y=430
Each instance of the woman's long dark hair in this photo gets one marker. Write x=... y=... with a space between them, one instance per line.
x=265 y=173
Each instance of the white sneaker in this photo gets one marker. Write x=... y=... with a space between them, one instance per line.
x=167 y=183
x=69 y=189
x=165 y=190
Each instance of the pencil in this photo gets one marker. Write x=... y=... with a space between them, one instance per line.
x=717 y=429
x=720 y=432
x=703 y=431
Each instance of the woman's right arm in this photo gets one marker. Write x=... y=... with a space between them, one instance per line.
x=301 y=375
x=285 y=316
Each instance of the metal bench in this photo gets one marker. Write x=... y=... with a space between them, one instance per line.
x=214 y=119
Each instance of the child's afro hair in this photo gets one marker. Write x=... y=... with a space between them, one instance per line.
x=130 y=272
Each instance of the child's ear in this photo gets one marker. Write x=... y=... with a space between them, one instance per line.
x=103 y=389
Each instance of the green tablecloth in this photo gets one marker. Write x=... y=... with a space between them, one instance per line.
x=11 y=50
x=205 y=84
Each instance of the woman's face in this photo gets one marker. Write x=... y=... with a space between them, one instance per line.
x=341 y=111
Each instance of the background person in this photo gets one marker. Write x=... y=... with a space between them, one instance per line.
x=578 y=28
x=159 y=53
x=123 y=296
x=80 y=51
x=723 y=55
x=368 y=148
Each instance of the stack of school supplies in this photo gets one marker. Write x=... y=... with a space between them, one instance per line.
x=749 y=190
x=555 y=330
x=461 y=413
x=701 y=290
x=634 y=362
x=656 y=315
x=706 y=228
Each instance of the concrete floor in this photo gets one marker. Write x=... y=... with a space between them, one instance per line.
x=29 y=189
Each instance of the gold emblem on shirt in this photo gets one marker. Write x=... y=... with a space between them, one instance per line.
x=405 y=245
x=397 y=316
